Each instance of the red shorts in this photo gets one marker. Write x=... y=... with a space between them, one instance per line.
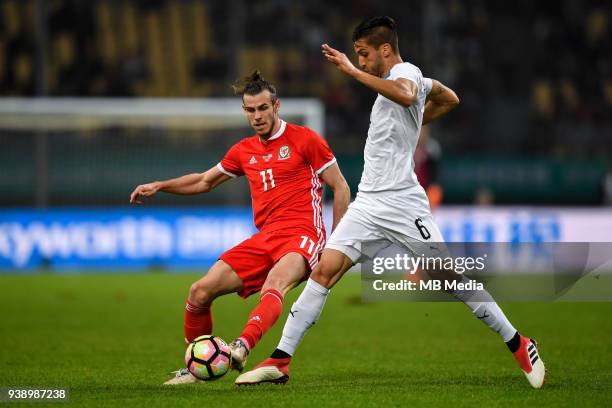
x=253 y=258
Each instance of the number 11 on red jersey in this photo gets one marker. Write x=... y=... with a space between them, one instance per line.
x=263 y=179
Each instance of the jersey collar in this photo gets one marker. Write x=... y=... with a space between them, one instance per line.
x=278 y=133
x=389 y=74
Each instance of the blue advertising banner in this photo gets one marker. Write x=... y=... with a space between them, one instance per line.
x=119 y=238
x=140 y=238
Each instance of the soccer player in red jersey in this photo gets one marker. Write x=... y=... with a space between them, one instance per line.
x=285 y=165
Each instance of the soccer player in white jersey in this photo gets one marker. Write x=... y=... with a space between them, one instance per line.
x=390 y=204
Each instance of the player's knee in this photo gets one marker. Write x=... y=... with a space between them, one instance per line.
x=323 y=276
x=201 y=294
x=327 y=271
x=443 y=274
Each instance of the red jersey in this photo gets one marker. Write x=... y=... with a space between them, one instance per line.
x=284 y=176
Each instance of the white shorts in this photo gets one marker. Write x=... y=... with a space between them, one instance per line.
x=375 y=221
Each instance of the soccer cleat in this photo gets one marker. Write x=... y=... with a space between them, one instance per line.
x=240 y=353
x=272 y=370
x=182 y=376
x=530 y=362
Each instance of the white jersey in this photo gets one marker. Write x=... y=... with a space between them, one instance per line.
x=391 y=206
x=393 y=136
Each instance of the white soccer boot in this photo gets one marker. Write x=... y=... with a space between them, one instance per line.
x=240 y=353
x=182 y=376
x=272 y=370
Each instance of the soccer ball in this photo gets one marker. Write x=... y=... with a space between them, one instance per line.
x=208 y=357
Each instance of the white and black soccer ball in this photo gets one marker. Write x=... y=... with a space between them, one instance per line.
x=208 y=357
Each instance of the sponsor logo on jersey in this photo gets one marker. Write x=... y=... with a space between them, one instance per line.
x=255 y=318
x=284 y=153
x=267 y=157
x=253 y=160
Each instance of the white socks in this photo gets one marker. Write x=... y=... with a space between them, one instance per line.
x=304 y=313
x=484 y=307
x=492 y=315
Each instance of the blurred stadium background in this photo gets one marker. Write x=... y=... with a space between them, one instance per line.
x=100 y=96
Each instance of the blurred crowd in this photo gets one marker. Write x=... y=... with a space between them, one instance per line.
x=539 y=72
x=533 y=76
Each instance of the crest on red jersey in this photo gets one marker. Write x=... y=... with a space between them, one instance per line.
x=284 y=152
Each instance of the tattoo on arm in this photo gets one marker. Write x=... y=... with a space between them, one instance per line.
x=440 y=100
x=436 y=89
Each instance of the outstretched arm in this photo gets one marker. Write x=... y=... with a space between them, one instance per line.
x=332 y=176
x=402 y=91
x=440 y=101
x=188 y=184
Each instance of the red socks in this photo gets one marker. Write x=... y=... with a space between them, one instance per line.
x=198 y=321
x=263 y=317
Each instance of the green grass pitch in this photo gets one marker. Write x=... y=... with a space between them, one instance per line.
x=112 y=339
